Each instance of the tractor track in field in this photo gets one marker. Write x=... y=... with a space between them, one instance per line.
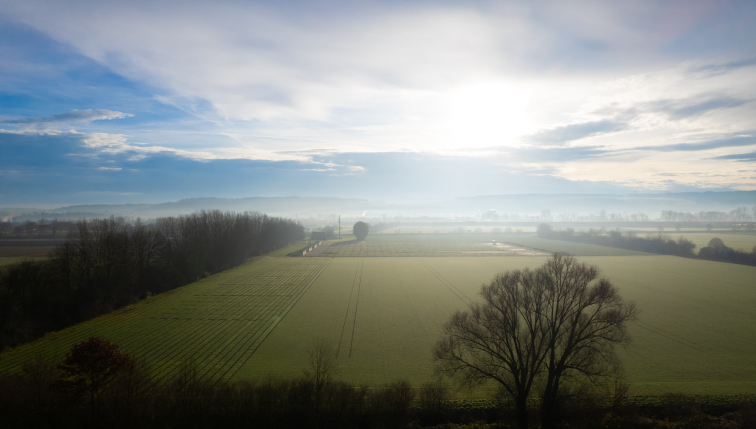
x=358 y=283
x=449 y=285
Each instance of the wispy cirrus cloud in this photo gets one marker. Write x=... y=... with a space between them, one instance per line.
x=734 y=141
x=692 y=107
x=567 y=133
x=72 y=116
x=751 y=156
x=52 y=122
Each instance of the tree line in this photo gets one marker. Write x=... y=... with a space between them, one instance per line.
x=104 y=265
x=740 y=214
x=716 y=250
x=630 y=241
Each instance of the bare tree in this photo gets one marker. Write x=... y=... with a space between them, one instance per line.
x=322 y=365
x=538 y=327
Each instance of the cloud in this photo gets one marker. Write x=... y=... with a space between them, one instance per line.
x=724 y=67
x=739 y=156
x=692 y=107
x=734 y=141
x=118 y=144
x=51 y=123
x=568 y=133
x=75 y=115
x=557 y=154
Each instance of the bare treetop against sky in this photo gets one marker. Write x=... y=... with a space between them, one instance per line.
x=104 y=101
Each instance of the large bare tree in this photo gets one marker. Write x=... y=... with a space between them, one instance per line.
x=540 y=327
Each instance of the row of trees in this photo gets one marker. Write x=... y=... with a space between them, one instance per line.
x=716 y=250
x=631 y=241
x=105 y=265
x=740 y=214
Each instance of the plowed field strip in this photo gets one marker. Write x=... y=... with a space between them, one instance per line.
x=217 y=323
x=251 y=350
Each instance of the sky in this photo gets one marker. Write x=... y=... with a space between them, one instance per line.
x=127 y=102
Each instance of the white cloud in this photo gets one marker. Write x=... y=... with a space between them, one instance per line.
x=118 y=144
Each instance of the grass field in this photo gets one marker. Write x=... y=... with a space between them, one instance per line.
x=15 y=259
x=446 y=229
x=474 y=244
x=695 y=333
x=217 y=322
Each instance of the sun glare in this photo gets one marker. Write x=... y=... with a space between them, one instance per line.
x=490 y=114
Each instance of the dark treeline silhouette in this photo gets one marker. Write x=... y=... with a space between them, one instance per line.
x=43 y=228
x=717 y=251
x=630 y=241
x=104 y=265
x=42 y=396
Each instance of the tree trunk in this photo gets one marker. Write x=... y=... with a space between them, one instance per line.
x=521 y=412
x=549 y=406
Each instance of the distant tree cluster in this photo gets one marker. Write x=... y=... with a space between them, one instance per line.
x=740 y=214
x=630 y=241
x=717 y=251
x=42 y=228
x=105 y=265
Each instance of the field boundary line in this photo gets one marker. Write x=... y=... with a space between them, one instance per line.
x=356 y=306
x=668 y=335
x=349 y=306
x=447 y=283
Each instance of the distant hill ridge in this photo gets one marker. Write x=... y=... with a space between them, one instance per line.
x=468 y=207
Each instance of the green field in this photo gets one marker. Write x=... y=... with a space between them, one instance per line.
x=474 y=244
x=695 y=333
x=447 y=229
x=217 y=322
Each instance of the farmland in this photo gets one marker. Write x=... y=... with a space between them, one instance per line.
x=694 y=333
x=217 y=322
x=474 y=244
x=383 y=313
x=27 y=248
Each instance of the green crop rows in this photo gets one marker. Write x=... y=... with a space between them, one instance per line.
x=694 y=334
x=217 y=323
